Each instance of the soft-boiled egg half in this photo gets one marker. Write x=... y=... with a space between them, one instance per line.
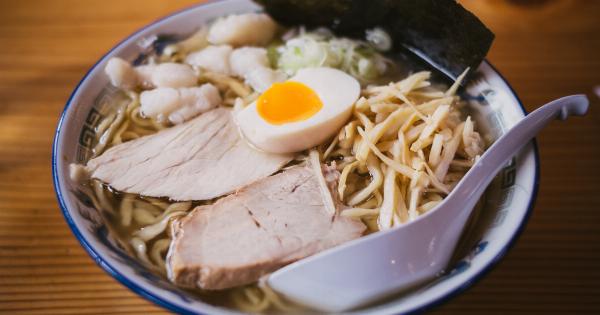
x=300 y=113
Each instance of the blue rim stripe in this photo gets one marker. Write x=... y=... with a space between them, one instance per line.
x=112 y=271
x=496 y=260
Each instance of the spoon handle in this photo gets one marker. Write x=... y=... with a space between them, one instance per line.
x=495 y=157
x=382 y=263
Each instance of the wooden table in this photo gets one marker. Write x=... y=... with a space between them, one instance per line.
x=546 y=49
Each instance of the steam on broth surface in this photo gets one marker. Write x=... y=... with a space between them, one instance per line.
x=405 y=146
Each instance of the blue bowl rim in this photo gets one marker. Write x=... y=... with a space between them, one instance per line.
x=112 y=271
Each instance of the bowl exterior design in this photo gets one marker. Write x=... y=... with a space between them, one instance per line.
x=499 y=218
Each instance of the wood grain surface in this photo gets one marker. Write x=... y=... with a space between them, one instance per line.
x=546 y=49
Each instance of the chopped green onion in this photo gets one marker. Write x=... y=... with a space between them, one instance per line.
x=320 y=49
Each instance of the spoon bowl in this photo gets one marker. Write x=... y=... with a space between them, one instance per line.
x=389 y=261
x=505 y=209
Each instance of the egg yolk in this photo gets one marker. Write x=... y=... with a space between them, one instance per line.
x=288 y=102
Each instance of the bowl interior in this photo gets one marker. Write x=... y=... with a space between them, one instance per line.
x=500 y=216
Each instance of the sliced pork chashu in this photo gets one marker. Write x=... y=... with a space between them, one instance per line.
x=198 y=160
x=262 y=227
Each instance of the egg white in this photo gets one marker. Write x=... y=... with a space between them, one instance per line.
x=338 y=92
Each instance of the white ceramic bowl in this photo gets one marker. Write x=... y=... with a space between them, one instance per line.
x=507 y=206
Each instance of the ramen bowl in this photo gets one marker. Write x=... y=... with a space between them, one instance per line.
x=496 y=224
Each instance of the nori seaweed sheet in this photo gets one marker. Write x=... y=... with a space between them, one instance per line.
x=441 y=32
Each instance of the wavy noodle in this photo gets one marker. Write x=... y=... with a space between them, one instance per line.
x=116 y=139
x=129 y=135
x=106 y=137
x=250 y=299
x=126 y=210
x=157 y=202
x=404 y=148
x=275 y=299
x=143 y=216
x=140 y=249
x=151 y=231
x=142 y=222
x=227 y=84
x=138 y=120
x=157 y=254
x=104 y=124
x=148 y=206
x=103 y=200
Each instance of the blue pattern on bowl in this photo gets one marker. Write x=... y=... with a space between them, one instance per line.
x=512 y=202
